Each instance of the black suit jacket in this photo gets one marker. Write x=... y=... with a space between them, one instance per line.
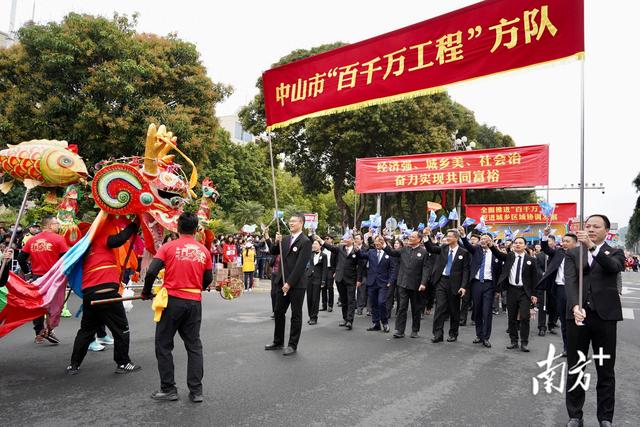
x=295 y=258
x=547 y=280
x=599 y=279
x=529 y=270
x=460 y=268
x=317 y=274
x=476 y=261
x=413 y=268
x=348 y=268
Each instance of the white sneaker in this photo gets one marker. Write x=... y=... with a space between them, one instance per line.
x=96 y=346
x=107 y=340
x=250 y=290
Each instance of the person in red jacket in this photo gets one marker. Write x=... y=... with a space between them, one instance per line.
x=45 y=249
x=101 y=280
x=187 y=272
x=229 y=252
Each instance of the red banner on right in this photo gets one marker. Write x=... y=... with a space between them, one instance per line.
x=528 y=213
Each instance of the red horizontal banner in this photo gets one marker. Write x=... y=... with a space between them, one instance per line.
x=479 y=40
x=526 y=166
x=528 y=213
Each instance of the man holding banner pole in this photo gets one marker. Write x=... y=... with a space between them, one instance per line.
x=592 y=317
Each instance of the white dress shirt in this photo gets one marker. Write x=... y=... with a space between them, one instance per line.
x=316 y=258
x=327 y=252
x=593 y=254
x=560 y=274
x=488 y=258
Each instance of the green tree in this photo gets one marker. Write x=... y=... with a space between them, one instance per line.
x=633 y=233
x=97 y=83
x=246 y=212
x=322 y=151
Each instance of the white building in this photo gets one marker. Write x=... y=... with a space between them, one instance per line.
x=232 y=125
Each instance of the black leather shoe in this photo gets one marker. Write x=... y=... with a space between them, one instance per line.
x=524 y=348
x=463 y=323
x=323 y=309
x=436 y=339
x=575 y=422
x=605 y=423
x=312 y=322
x=477 y=341
x=349 y=326
x=386 y=328
x=541 y=333
x=330 y=309
x=512 y=346
x=374 y=328
x=414 y=334
x=342 y=324
x=397 y=334
x=486 y=343
x=160 y=395
x=273 y=346
x=452 y=339
x=289 y=351
x=359 y=312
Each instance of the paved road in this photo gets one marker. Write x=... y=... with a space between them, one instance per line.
x=338 y=378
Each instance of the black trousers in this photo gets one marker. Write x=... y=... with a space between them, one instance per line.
x=561 y=307
x=404 y=297
x=430 y=296
x=601 y=334
x=464 y=308
x=327 y=291
x=392 y=294
x=274 y=292
x=182 y=316
x=518 y=304
x=547 y=313
x=38 y=323
x=482 y=307
x=347 y=292
x=447 y=305
x=362 y=295
x=295 y=298
x=93 y=316
x=313 y=299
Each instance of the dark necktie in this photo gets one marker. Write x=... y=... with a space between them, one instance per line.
x=481 y=275
x=447 y=269
x=518 y=267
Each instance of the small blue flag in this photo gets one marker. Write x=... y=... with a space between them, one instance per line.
x=443 y=221
x=453 y=215
x=468 y=221
x=421 y=227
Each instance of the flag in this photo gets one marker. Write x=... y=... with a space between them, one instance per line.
x=508 y=234
x=346 y=235
x=442 y=221
x=546 y=208
x=432 y=220
x=468 y=221
x=365 y=224
x=453 y=215
x=482 y=227
x=24 y=301
x=433 y=206
x=527 y=229
x=421 y=227
x=402 y=226
x=516 y=233
x=278 y=214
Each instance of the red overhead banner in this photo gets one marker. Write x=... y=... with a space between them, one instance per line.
x=528 y=213
x=526 y=166
x=479 y=40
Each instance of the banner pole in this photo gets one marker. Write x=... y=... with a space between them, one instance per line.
x=581 y=257
x=5 y=261
x=275 y=202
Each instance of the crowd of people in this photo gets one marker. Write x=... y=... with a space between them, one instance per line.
x=447 y=276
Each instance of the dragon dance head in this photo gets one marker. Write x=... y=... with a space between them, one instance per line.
x=152 y=187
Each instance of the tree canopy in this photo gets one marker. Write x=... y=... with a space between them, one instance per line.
x=97 y=83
